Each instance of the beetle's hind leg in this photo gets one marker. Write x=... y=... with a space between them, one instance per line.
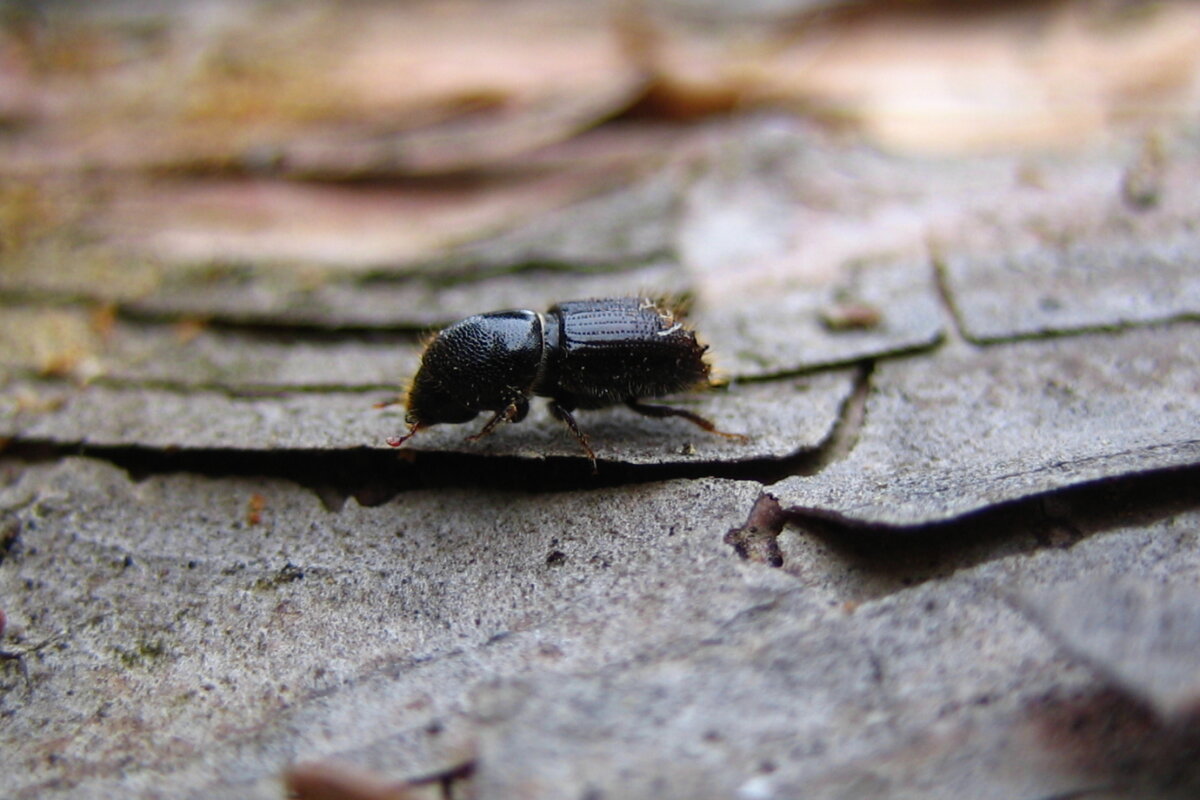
x=513 y=412
x=559 y=411
x=667 y=411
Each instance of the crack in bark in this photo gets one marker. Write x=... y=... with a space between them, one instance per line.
x=267 y=324
x=907 y=556
x=852 y=416
x=375 y=476
x=960 y=330
x=1120 y=326
x=239 y=391
x=945 y=296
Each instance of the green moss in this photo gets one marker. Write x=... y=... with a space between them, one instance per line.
x=286 y=574
x=142 y=654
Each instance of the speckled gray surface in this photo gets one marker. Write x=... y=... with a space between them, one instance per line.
x=1078 y=286
x=938 y=690
x=215 y=567
x=557 y=581
x=966 y=428
x=609 y=639
x=1106 y=262
x=783 y=331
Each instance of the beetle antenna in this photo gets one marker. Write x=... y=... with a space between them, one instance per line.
x=396 y=441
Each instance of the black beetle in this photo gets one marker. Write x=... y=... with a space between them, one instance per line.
x=580 y=354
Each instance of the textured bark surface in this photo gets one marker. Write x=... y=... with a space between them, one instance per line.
x=958 y=555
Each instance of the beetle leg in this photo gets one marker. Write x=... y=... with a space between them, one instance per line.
x=560 y=412
x=667 y=411
x=396 y=441
x=511 y=412
x=395 y=401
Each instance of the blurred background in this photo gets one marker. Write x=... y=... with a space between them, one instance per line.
x=231 y=160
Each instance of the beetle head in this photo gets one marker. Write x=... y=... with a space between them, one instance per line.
x=482 y=363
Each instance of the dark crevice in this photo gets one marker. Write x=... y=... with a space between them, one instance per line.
x=900 y=557
x=267 y=326
x=447 y=276
x=962 y=331
x=315 y=327
x=283 y=332
x=385 y=392
x=375 y=476
x=851 y=418
x=380 y=393
x=941 y=282
x=1184 y=318
x=758 y=538
x=867 y=360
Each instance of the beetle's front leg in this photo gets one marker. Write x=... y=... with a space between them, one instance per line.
x=513 y=412
x=396 y=441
